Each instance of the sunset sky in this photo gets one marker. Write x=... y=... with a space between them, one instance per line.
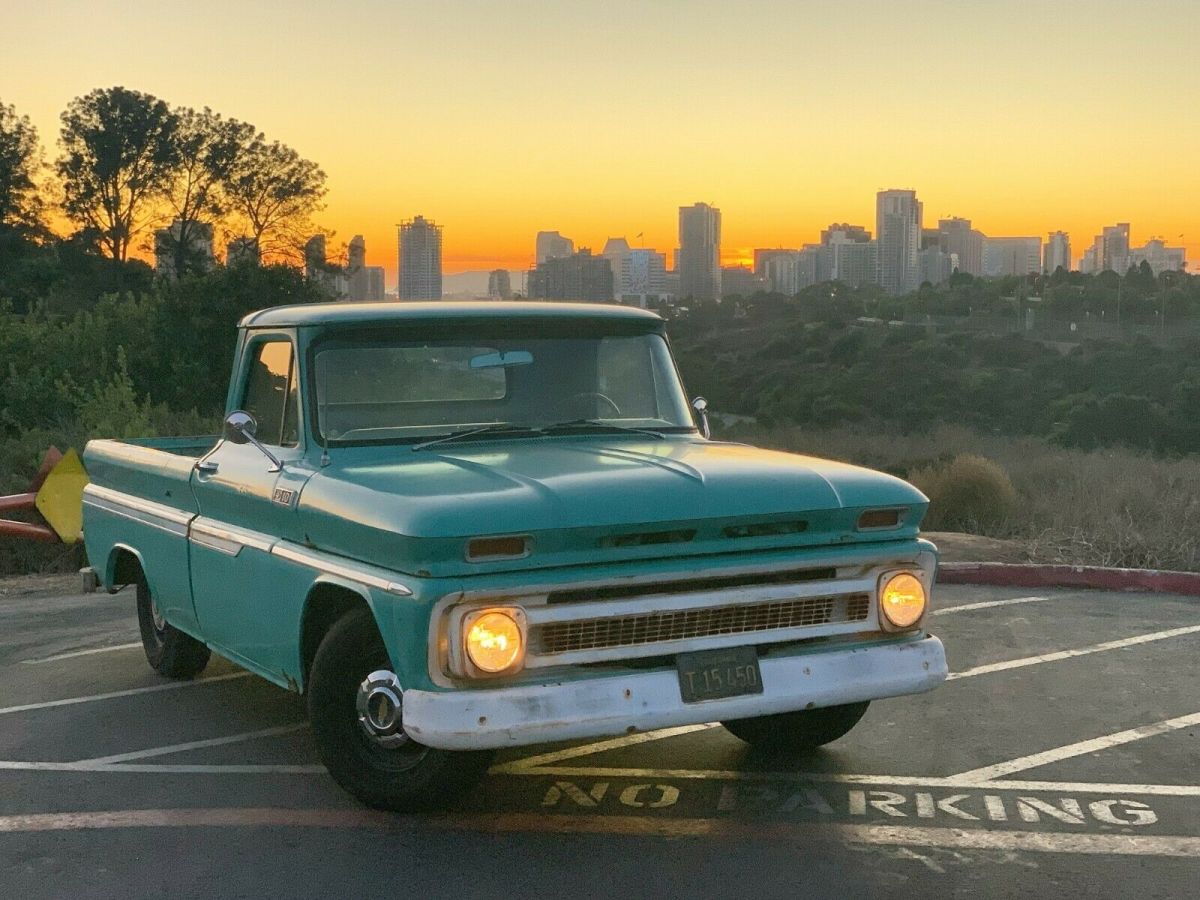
x=500 y=119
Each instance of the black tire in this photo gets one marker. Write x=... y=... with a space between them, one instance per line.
x=169 y=651
x=405 y=779
x=797 y=732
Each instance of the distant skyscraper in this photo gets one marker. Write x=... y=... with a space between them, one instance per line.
x=616 y=251
x=963 y=243
x=356 y=269
x=197 y=255
x=1004 y=256
x=1057 y=253
x=898 y=235
x=551 y=245
x=318 y=270
x=643 y=277
x=764 y=255
x=420 y=244
x=1159 y=257
x=700 y=252
x=375 y=285
x=499 y=285
x=1114 y=248
x=740 y=281
x=851 y=254
x=580 y=276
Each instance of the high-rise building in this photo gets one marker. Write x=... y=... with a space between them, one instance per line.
x=1057 y=253
x=1159 y=257
x=792 y=272
x=851 y=254
x=551 y=245
x=935 y=265
x=358 y=281
x=616 y=251
x=499 y=285
x=898 y=235
x=1004 y=256
x=317 y=269
x=963 y=243
x=642 y=277
x=762 y=256
x=700 y=252
x=579 y=276
x=420 y=251
x=375 y=283
x=740 y=281
x=197 y=255
x=1114 y=248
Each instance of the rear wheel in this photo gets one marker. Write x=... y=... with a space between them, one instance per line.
x=169 y=651
x=355 y=705
x=796 y=732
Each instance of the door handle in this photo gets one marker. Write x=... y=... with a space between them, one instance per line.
x=207 y=467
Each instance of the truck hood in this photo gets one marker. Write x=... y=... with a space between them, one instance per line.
x=587 y=500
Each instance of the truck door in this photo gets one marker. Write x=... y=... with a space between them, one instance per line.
x=245 y=507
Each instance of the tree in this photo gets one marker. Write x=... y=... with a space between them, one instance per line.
x=275 y=191
x=118 y=157
x=20 y=163
x=208 y=148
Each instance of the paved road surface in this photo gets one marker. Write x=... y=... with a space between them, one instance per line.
x=1060 y=760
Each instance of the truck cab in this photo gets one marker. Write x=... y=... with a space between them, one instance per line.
x=465 y=526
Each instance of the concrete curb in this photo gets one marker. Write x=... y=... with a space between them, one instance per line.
x=1033 y=576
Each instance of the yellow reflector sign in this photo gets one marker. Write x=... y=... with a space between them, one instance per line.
x=60 y=498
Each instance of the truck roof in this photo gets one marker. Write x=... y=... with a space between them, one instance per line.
x=406 y=311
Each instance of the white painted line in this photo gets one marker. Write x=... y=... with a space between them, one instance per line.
x=886 y=835
x=1078 y=749
x=170 y=686
x=599 y=747
x=987 y=604
x=1070 y=654
x=17 y=765
x=195 y=745
x=74 y=653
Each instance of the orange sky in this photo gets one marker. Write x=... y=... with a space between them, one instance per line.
x=500 y=119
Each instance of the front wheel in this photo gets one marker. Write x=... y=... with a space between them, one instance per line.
x=169 y=651
x=796 y=732
x=355 y=705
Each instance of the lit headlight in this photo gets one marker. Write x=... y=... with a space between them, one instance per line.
x=902 y=600
x=494 y=640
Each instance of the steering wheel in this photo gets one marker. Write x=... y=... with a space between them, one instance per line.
x=594 y=395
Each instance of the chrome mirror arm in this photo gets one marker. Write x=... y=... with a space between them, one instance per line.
x=700 y=405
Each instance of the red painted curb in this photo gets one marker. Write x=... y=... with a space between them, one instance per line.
x=1015 y=575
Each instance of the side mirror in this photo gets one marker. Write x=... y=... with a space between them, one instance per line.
x=700 y=405
x=239 y=429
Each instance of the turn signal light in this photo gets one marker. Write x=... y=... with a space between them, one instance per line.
x=902 y=600
x=497 y=548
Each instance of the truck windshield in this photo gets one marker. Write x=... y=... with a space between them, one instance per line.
x=375 y=389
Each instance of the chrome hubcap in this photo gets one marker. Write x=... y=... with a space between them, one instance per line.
x=159 y=622
x=380 y=706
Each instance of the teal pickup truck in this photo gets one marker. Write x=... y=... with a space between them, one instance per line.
x=466 y=526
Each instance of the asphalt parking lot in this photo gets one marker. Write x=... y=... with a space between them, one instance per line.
x=1061 y=758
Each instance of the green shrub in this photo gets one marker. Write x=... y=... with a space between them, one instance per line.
x=970 y=493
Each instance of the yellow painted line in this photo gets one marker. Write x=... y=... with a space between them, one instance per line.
x=739 y=831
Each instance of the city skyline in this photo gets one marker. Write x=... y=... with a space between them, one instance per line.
x=643 y=123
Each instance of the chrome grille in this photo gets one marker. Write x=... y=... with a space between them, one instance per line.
x=654 y=628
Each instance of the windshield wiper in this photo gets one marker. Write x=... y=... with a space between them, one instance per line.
x=601 y=425
x=494 y=428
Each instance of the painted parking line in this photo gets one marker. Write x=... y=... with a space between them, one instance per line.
x=643 y=737
x=1071 y=654
x=987 y=604
x=1079 y=748
x=646 y=826
x=195 y=745
x=108 y=648
x=131 y=692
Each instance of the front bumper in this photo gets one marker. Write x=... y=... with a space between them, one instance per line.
x=542 y=713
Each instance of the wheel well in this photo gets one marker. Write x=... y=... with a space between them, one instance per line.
x=326 y=604
x=126 y=567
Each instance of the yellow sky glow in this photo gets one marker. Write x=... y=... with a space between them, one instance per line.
x=500 y=119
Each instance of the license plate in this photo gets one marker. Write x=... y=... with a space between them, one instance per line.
x=712 y=674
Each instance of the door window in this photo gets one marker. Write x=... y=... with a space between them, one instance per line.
x=271 y=394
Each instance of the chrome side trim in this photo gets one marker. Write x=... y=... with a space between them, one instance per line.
x=323 y=562
x=228 y=539
x=145 y=512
